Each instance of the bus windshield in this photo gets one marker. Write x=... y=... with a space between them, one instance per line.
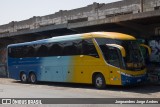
x=133 y=61
x=134 y=58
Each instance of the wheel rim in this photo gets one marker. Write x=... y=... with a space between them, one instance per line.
x=24 y=78
x=33 y=78
x=99 y=81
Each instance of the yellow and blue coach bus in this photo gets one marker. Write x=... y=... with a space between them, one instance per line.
x=99 y=58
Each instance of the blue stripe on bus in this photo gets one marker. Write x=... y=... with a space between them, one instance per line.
x=126 y=80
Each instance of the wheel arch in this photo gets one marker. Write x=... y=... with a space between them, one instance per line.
x=30 y=72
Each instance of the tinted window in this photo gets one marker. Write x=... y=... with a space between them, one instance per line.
x=104 y=41
x=30 y=51
x=114 y=58
x=68 y=48
x=134 y=58
x=55 y=50
x=88 y=48
x=111 y=55
x=17 y=52
x=42 y=51
x=71 y=48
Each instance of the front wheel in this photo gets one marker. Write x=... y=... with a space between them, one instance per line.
x=99 y=81
x=33 y=78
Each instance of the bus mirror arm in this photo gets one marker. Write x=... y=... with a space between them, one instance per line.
x=121 y=48
x=147 y=47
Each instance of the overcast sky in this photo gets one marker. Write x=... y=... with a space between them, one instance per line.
x=17 y=10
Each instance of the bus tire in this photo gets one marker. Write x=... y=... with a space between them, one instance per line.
x=33 y=78
x=99 y=81
x=23 y=77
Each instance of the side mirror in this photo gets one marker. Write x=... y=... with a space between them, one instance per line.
x=147 y=47
x=121 y=48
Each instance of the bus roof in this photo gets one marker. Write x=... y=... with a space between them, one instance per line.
x=111 y=35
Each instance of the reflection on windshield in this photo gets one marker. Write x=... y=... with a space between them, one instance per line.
x=134 y=59
x=111 y=55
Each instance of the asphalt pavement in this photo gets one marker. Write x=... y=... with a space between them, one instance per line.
x=15 y=89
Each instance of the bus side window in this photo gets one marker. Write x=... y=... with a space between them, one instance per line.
x=11 y=52
x=18 y=52
x=89 y=49
x=30 y=51
x=42 y=51
x=113 y=57
x=55 y=50
x=105 y=51
x=69 y=48
x=78 y=44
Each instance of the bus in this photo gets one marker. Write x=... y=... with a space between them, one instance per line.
x=99 y=58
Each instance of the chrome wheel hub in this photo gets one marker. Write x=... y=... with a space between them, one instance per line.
x=99 y=81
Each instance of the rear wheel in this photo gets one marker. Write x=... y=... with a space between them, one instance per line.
x=33 y=78
x=23 y=77
x=99 y=81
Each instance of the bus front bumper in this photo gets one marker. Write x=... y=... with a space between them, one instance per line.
x=133 y=80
